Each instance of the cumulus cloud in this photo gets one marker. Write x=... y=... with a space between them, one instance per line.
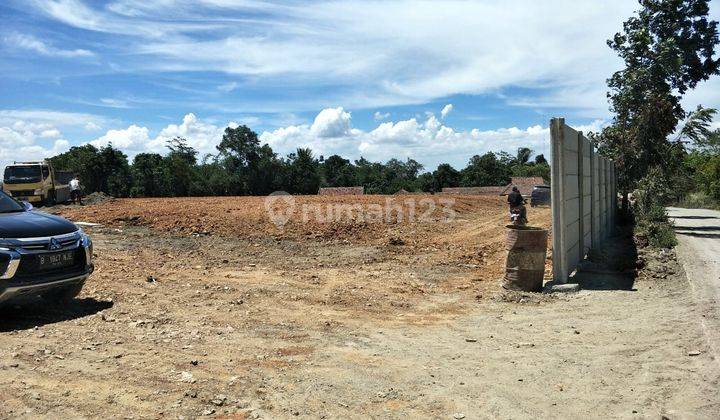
x=30 y=43
x=134 y=139
x=24 y=140
x=446 y=110
x=131 y=138
x=331 y=122
x=428 y=141
x=23 y=133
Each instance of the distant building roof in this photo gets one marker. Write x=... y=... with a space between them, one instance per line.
x=524 y=183
x=496 y=190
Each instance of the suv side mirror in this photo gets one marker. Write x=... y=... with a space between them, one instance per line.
x=27 y=206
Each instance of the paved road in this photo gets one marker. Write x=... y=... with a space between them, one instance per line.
x=698 y=234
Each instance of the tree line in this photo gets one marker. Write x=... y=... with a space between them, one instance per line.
x=243 y=166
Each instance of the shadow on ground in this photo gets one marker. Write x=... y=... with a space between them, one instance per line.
x=37 y=313
x=613 y=266
x=698 y=228
x=698 y=231
x=699 y=235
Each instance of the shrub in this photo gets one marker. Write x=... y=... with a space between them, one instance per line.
x=653 y=226
x=662 y=235
x=698 y=200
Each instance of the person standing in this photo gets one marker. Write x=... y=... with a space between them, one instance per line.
x=76 y=191
x=517 y=202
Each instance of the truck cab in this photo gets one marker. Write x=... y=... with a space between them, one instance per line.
x=36 y=182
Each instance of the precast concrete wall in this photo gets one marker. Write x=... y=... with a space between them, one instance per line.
x=584 y=198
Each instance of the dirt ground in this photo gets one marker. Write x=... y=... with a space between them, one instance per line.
x=206 y=307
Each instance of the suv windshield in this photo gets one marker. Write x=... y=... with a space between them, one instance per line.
x=8 y=205
x=22 y=174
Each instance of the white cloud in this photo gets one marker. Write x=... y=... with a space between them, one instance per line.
x=30 y=43
x=22 y=140
x=429 y=141
x=114 y=103
x=50 y=133
x=91 y=126
x=134 y=139
x=23 y=133
x=446 y=110
x=379 y=116
x=54 y=118
x=228 y=87
x=331 y=122
x=372 y=53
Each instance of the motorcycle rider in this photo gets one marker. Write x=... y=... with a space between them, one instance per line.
x=516 y=202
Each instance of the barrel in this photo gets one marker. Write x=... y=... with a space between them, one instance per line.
x=525 y=267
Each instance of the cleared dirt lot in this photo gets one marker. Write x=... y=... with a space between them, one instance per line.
x=204 y=306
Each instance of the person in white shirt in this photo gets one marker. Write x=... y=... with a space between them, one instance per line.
x=75 y=191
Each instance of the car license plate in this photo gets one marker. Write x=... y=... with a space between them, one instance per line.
x=53 y=261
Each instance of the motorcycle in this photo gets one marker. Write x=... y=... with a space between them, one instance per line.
x=518 y=215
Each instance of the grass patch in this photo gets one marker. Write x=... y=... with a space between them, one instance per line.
x=698 y=200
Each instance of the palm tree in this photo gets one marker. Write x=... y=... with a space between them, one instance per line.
x=523 y=156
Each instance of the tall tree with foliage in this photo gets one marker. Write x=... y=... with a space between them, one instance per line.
x=180 y=168
x=83 y=161
x=446 y=176
x=485 y=170
x=148 y=175
x=304 y=172
x=239 y=152
x=667 y=49
x=338 y=172
x=116 y=174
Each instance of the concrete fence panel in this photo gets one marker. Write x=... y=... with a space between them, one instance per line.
x=583 y=198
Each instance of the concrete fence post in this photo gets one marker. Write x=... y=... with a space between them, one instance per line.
x=603 y=195
x=557 y=174
x=581 y=198
x=608 y=198
x=594 y=240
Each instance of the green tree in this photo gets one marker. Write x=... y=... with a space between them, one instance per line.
x=338 y=172
x=148 y=175
x=304 y=172
x=668 y=48
x=523 y=156
x=446 y=176
x=115 y=174
x=180 y=168
x=399 y=175
x=265 y=172
x=485 y=170
x=239 y=152
x=426 y=182
x=85 y=161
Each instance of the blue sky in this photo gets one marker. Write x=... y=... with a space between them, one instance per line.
x=368 y=78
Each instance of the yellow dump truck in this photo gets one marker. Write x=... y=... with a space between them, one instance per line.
x=37 y=182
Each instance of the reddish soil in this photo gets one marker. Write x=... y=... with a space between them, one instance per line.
x=204 y=306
